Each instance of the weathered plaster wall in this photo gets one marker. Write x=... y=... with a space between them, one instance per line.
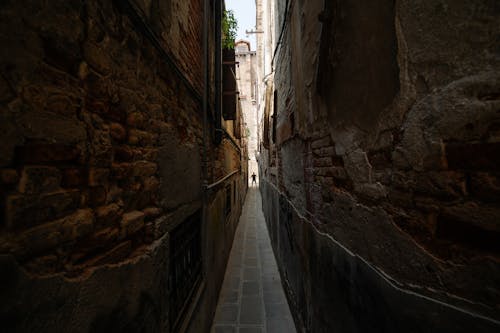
x=387 y=120
x=100 y=158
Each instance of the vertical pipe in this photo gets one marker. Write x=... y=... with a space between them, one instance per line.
x=218 y=71
x=206 y=91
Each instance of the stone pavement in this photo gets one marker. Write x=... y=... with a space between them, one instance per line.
x=252 y=298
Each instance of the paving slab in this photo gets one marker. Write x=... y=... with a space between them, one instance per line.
x=252 y=299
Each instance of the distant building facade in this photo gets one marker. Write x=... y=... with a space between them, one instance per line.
x=246 y=75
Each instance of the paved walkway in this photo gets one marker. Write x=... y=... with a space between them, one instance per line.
x=252 y=298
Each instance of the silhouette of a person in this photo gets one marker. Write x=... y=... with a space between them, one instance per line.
x=254 y=177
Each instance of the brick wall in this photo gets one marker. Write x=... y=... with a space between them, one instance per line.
x=387 y=142
x=100 y=155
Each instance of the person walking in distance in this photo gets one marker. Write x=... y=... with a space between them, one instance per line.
x=254 y=177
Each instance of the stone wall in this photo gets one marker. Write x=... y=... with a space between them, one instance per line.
x=387 y=119
x=100 y=158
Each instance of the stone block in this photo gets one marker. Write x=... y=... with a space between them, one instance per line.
x=374 y=191
x=118 y=132
x=137 y=137
x=324 y=151
x=102 y=238
x=108 y=215
x=151 y=212
x=101 y=149
x=149 y=154
x=38 y=179
x=131 y=223
x=98 y=176
x=121 y=170
x=28 y=210
x=144 y=168
x=136 y=119
x=323 y=162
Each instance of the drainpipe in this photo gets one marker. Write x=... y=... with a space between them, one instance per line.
x=218 y=71
x=206 y=90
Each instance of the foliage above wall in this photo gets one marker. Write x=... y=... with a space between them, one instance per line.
x=229 y=29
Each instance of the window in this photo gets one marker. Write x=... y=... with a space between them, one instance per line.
x=185 y=266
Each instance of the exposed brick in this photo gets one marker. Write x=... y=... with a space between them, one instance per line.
x=98 y=176
x=144 y=168
x=143 y=138
x=325 y=151
x=117 y=132
x=132 y=222
x=136 y=119
x=477 y=156
x=151 y=184
x=28 y=210
x=149 y=154
x=121 y=170
x=105 y=236
x=38 y=179
x=323 y=162
x=151 y=212
x=47 y=153
x=323 y=142
x=108 y=215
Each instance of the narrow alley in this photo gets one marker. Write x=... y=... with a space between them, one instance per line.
x=238 y=166
x=252 y=298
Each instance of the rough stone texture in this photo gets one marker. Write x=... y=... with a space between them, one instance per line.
x=388 y=114
x=100 y=154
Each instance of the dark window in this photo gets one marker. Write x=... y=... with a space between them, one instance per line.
x=185 y=266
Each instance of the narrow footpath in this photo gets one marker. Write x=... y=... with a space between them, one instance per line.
x=252 y=299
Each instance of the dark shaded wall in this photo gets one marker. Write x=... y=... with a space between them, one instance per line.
x=380 y=180
x=100 y=160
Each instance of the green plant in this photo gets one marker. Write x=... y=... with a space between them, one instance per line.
x=229 y=29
